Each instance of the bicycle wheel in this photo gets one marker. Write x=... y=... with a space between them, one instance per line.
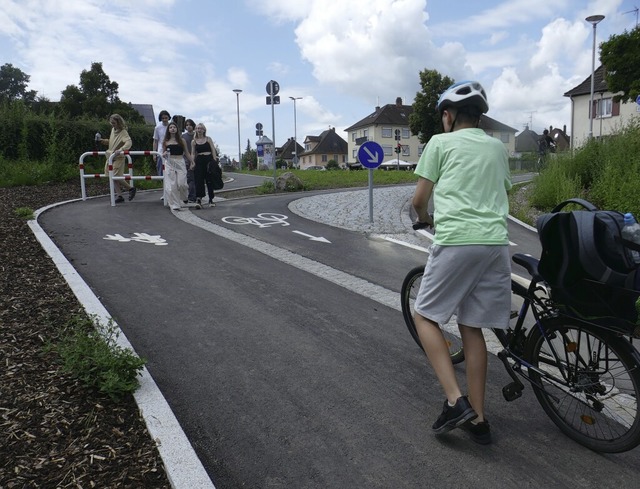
x=590 y=383
x=408 y=294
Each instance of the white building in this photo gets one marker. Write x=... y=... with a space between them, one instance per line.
x=608 y=115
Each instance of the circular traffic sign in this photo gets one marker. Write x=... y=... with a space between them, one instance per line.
x=276 y=88
x=370 y=154
x=259 y=126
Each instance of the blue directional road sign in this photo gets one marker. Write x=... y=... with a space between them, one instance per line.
x=370 y=154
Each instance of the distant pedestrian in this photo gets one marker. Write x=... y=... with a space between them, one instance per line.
x=207 y=168
x=188 y=135
x=158 y=137
x=119 y=141
x=175 y=173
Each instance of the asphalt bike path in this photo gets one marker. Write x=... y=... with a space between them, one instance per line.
x=285 y=358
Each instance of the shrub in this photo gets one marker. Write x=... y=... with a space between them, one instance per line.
x=333 y=165
x=25 y=213
x=90 y=353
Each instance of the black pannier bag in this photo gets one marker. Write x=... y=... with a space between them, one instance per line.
x=586 y=263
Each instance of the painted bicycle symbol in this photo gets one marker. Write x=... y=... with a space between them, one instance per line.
x=264 y=220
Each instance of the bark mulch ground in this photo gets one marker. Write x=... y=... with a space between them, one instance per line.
x=54 y=432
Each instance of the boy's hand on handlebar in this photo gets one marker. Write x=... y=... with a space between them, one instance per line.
x=424 y=224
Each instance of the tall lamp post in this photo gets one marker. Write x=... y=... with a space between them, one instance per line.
x=295 y=132
x=593 y=19
x=237 y=91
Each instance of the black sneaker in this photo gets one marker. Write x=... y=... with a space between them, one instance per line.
x=198 y=203
x=119 y=199
x=480 y=432
x=132 y=193
x=453 y=417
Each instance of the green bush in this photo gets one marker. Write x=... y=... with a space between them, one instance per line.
x=90 y=353
x=555 y=184
x=604 y=171
x=333 y=165
x=55 y=141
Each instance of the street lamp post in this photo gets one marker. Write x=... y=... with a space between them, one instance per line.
x=237 y=91
x=593 y=20
x=295 y=132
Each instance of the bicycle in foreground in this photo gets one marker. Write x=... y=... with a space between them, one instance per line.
x=585 y=377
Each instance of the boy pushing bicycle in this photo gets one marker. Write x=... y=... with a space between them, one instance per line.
x=468 y=271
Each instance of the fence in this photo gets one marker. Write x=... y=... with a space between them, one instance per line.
x=130 y=177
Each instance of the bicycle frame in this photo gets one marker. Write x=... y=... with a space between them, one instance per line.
x=513 y=339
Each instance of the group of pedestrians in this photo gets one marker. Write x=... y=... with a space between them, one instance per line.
x=190 y=162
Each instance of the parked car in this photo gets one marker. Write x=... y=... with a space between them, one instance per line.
x=316 y=167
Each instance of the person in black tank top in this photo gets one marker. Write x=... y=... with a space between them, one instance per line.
x=207 y=170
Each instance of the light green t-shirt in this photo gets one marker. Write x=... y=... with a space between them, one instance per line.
x=471 y=174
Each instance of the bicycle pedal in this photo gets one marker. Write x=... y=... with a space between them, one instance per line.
x=512 y=391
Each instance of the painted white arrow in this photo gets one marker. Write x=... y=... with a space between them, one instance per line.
x=373 y=158
x=313 y=238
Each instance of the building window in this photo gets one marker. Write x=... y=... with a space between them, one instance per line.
x=307 y=147
x=387 y=150
x=365 y=133
x=405 y=133
x=386 y=132
x=344 y=158
x=504 y=137
x=354 y=154
x=420 y=149
x=324 y=158
x=604 y=108
x=353 y=136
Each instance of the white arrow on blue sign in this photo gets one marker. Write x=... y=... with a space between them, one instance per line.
x=370 y=154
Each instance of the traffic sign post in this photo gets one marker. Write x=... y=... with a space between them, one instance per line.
x=370 y=156
x=398 y=146
x=273 y=87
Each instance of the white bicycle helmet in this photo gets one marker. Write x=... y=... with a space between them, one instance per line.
x=464 y=93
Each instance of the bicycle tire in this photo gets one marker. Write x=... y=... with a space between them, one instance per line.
x=596 y=403
x=410 y=287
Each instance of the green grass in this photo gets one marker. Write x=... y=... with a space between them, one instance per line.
x=321 y=180
x=25 y=213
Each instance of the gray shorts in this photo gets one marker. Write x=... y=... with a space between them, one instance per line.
x=472 y=282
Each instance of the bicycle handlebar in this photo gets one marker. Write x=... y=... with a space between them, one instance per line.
x=420 y=225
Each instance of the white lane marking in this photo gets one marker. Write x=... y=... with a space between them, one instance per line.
x=312 y=238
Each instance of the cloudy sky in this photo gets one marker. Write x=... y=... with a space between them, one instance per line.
x=342 y=57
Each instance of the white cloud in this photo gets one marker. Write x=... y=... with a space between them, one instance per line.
x=372 y=49
x=561 y=39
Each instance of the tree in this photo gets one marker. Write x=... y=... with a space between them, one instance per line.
x=250 y=157
x=96 y=97
x=621 y=57
x=13 y=84
x=424 y=121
